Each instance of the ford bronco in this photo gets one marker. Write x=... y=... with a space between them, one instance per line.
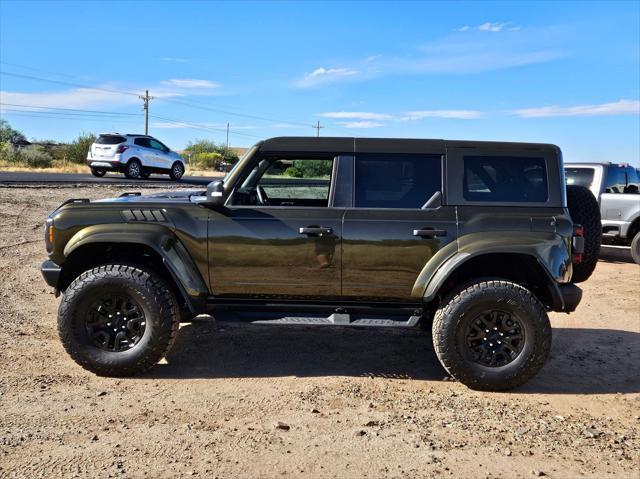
x=475 y=240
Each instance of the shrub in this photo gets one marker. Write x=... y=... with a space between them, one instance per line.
x=206 y=160
x=10 y=135
x=36 y=157
x=293 y=172
x=207 y=146
x=312 y=168
x=76 y=151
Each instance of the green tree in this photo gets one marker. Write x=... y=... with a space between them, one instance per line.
x=207 y=146
x=9 y=134
x=76 y=151
x=313 y=168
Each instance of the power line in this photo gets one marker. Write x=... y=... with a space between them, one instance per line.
x=202 y=127
x=61 y=82
x=69 y=109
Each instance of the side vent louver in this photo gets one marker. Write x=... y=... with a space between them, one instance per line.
x=143 y=215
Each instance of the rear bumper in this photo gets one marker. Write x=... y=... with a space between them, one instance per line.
x=105 y=165
x=570 y=295
x=51 y=273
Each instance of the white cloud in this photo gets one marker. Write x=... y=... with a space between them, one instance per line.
x=621 y=107
x=452 y=114
x=357 y=115
x=360 y=124
x=324 y=75
x=463 y=29
x=492 y=26
x=191 y=83
x=74 y=98
x=174 y=60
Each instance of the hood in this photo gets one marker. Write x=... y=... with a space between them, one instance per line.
x=182 y=196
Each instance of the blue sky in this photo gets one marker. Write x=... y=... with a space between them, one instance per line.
x=559 y=72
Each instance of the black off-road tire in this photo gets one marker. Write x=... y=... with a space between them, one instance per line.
x=177 y=171
x=585 y=211
x=133 y=169
x=635 y=248
x=98 y=173
x=453 y=317
x=157 y=301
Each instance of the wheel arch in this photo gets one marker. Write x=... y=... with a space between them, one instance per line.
x=522 y=268
x=153 y=248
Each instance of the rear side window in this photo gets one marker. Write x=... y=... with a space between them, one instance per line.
x=579 y=176
x=505 y=179
x=144 y=142
x=616 y=179
x=396 y=181
x=110 y=140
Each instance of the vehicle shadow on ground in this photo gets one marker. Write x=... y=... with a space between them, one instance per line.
x=583 y=361
x=613 y=254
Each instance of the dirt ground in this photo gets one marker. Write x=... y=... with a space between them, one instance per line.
x=353 y=402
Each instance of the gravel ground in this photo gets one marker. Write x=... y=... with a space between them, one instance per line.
x=260 y=401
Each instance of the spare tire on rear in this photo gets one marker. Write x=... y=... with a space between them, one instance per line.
x=585 y=211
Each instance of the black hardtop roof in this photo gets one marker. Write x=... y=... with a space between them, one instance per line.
x=328 y=144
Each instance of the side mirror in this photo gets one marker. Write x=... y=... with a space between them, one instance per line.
x=215 y=193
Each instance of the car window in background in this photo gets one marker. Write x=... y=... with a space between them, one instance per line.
x=616 y=179
x=396 y=181
x=110 y=140
x=155 y=144
x=579 y=176
x=633 y=180
x=505 y=178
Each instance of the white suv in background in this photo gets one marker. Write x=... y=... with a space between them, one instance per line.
x=137 y=156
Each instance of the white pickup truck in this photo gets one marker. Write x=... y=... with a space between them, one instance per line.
x=617 y=189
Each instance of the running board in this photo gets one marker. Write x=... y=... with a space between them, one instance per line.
x=336 y=319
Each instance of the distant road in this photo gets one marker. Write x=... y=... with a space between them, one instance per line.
x=74 y=178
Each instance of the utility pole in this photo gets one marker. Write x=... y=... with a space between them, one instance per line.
x=146 y=99
x=317 y=126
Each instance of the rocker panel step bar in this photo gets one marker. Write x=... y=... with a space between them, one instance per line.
x=336 y=319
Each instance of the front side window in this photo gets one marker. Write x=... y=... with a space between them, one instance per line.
x=156 y=145
x=287 y=182
x=396 y=181
x=633 y=181
x=505 y=179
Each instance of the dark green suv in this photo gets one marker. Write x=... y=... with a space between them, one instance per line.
x=473 y=239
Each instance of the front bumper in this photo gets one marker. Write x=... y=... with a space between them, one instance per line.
x=51 y=273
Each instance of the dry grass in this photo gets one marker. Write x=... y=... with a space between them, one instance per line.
x=66 y=167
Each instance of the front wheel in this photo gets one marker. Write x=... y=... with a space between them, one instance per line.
x=117 y=320
x=492 y=335
x=176 y=171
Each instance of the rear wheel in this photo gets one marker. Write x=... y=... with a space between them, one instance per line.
x=98 y=173
x=635 y=248
x=117 y=320
x=492 y=335
x=133 y=170
x=585 y=210
x=176 y=171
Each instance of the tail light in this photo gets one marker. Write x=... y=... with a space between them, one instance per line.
x=578 y=243
x=122 y=148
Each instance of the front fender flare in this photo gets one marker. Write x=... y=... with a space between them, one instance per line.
x=164 y=242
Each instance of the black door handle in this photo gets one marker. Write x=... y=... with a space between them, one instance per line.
x=315 y=230
x=429 y=233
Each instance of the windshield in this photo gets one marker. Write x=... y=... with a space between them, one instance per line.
x=230 y=176
x=579 y=176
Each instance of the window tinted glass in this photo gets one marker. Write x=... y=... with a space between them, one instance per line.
x=616 y=179
x=579 y=176
x=110 y=140
x=156 y=145
x=505 y=179
x=144 y=142
x=633 y=182
x=396 y=181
